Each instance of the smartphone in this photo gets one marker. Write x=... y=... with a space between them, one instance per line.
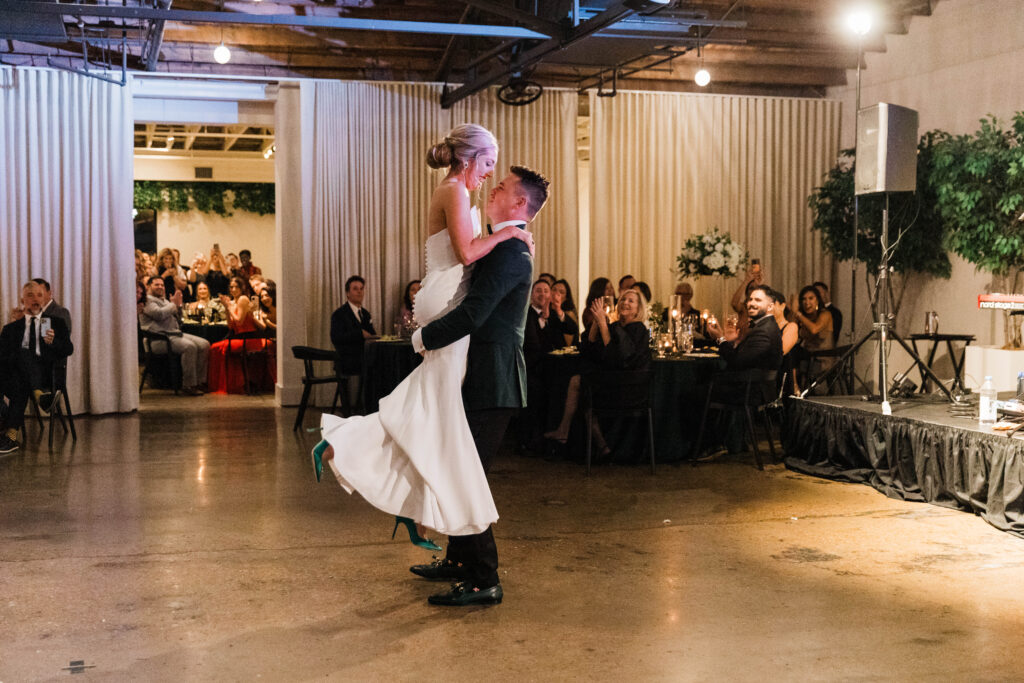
x=45 y=325
x=755 y=265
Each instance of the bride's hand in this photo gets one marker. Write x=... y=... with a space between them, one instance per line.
x=520 y=234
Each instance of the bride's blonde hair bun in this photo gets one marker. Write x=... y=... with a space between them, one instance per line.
x=463 y=144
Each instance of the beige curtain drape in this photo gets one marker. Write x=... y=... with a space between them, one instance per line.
x=372 y=187
x=65 y=215
x=666 y=166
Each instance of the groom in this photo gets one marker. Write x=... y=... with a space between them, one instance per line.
x=494 y=315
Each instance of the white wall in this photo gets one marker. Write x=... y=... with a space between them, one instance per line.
x=197 y=231
x=964 y=62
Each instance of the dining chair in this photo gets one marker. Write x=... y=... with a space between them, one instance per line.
x=747 y=392
x=618 y=393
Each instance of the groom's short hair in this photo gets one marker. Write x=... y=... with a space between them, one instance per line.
x=535 y=187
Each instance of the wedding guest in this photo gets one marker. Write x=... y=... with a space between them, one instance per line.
x=197 y=272
x=542 y=334
x=140 y=297
x=205 y=307
x=548 y=278
x=247 y=268
x=561 y=300
x=351 y=326
x=52 y=309
x=599 y=288
x=266 y=316
x=29 y=348
x=161 y=314
x=172 y=274
x=786 y=321
x=815 y=321
x=626 y=282
x=226 y=374
x=217 y=273
x=620 y=345
x=754 y=278
x=234 y=265
x=761 y=347
x=404 y=319
x=837 y=315
x=643 y=288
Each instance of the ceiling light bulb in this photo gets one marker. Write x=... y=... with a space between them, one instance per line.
x=222 y=54
x=859 y=21
x=702 y=77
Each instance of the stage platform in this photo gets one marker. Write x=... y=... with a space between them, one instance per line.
x=922 y=452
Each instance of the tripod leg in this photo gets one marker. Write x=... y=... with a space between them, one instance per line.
x=838 y=364
x=924 y=367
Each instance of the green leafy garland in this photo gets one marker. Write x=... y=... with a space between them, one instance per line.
x=207 y=197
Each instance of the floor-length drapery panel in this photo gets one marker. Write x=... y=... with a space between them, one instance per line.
x=666 y=166
x=65 y=215
x=372 y=187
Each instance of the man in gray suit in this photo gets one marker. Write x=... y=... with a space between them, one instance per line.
x=161 y=315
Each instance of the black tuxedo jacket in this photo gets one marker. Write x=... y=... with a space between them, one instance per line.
x=347 y=337
x=494 y=315
x=537 y=340
x=761 y=348
x=837 y=322
x=55 y=310
x=13 y=333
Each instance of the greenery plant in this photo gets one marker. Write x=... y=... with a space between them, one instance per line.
x=206 y=197
x=916 y=230
x=979 y=190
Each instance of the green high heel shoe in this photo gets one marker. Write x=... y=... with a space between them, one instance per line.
x=414 y=535
x=318 y=458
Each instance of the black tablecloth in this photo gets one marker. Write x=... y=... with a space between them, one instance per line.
x=678 y=390
x=211 y=333
x=385 y=365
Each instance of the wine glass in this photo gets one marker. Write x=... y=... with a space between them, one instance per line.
x=609 y=305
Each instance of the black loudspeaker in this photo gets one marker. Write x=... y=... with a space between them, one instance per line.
x=886 y=149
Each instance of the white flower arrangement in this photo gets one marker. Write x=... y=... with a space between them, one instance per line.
x=713 y=253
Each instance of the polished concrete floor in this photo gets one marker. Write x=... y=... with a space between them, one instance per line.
x=189 y=542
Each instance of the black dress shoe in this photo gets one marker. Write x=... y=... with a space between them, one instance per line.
x=464 y=594
x=439 y=570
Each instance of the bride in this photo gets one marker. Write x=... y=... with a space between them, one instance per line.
x=415 y=458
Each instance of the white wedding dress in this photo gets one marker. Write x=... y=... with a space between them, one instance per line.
x=416 y=457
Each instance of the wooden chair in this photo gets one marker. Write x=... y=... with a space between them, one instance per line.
x=620 y=393
x=309 y=357
x=747 y=392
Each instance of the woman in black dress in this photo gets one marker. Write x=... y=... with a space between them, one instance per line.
x=621 y=345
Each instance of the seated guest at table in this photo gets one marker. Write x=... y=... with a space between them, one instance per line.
x=351 y=326
x=216 y=272
x=247 y=267
x=197 y=272
x=620 y=345
x=174 y=277
x=205 y=307
x=561 y=300
x=140 y=297
x=404 y=320
x=52 y=309
x=161 y=314
x=226 y=374
x=542 y=334
x=786 y=321
x=643 y=288
x=599 y=288
x=548 y=278
x=626 y=282
x=29 y=347
x=234 y=265
x=837 y=315
x=266 y=315
x=815 y=331
x=761 y=347
x=685 y=290
x=754 y=277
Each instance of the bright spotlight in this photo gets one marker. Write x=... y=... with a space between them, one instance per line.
x=222 y=54
x=859 y=20
x=702 y=77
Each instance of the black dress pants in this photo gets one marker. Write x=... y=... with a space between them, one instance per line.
x=21 y=376
x=478 y=553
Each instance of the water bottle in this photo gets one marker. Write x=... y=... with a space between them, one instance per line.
x=987 y=404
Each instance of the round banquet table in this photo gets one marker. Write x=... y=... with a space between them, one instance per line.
x=385 y=364
x=678 y=390
x=211 y=332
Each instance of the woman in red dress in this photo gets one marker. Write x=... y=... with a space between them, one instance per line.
x=225 y=369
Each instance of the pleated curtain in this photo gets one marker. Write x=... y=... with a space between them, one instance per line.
x=65 y=215
x=372 y=187
x=666 y=166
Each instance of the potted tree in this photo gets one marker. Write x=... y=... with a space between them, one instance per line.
x=979 y=189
